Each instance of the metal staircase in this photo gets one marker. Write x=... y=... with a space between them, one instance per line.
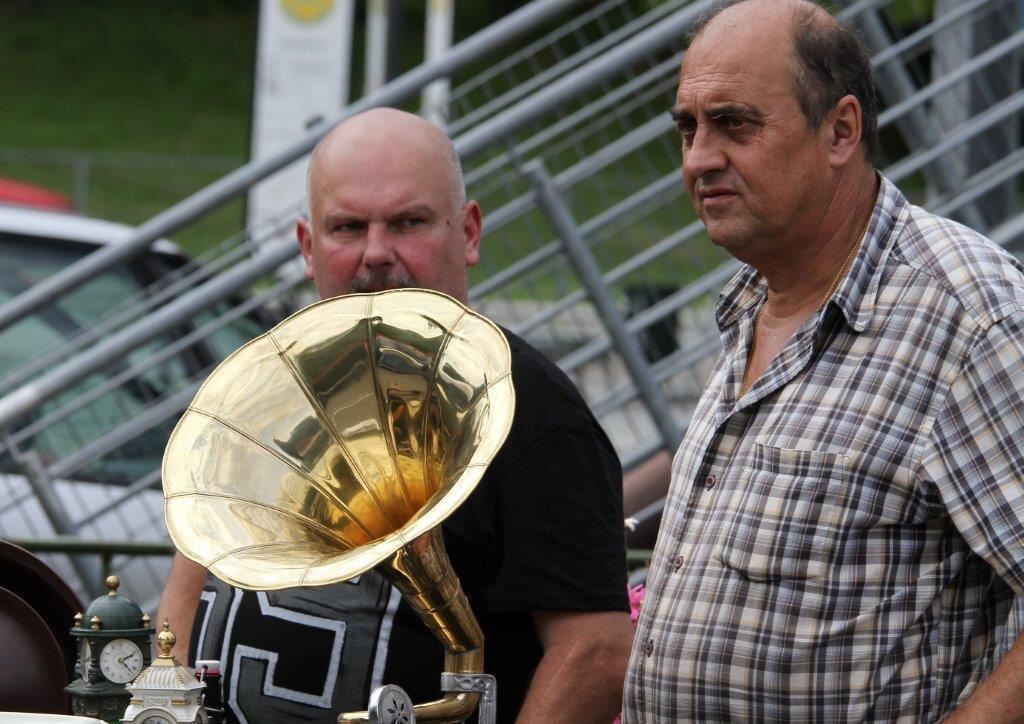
x=590 y=248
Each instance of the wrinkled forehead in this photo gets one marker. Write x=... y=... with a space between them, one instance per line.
x=736 y=60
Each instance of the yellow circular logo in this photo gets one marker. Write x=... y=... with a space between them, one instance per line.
x=307 y=11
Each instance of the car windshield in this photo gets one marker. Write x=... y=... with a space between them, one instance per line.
x=26 y=260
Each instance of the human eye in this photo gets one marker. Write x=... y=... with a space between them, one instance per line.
x=685 y=123
x=347 y=226
x=733 y=122
x=687 y=133
x=687 y=128
x=409 y=222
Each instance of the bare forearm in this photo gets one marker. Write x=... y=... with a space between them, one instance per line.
x=1000 y=698
x=581 y=680
x=179 y=602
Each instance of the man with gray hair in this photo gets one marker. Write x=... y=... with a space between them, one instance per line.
x=844 y=534
x=538 y=545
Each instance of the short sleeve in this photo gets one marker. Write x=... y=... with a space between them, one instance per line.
x=975 y=456
x=560 y=527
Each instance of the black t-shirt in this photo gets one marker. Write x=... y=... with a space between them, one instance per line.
x=542 y=531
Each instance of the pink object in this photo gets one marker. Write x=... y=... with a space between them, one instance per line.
x=636 y=598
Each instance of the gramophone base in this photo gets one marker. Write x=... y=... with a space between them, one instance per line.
x=390 y=704
x=483 y=684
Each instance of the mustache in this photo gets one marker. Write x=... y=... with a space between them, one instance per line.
x=379 y=280
x=714 y=178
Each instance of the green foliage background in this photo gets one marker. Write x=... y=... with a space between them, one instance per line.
x=155 y=95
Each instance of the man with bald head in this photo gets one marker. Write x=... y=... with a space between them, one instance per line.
x=844 y=534
x=538 y=545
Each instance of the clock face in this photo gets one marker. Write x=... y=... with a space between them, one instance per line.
x=84 y=657
x=157 y=719
x=121 y=661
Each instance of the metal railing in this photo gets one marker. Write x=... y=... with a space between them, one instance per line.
x=590 y=249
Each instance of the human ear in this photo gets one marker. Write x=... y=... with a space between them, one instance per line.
x=304 y=236
x=472 y=227
x=845 y=128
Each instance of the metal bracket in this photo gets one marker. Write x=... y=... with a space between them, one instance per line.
x=483 y=684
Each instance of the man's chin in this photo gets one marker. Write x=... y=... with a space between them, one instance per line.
x=725 y=234
x=720 y=238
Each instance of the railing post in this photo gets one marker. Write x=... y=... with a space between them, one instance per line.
x=53 y=508
x=440 y=22
x=589 y=273
x=82 y=166
x=919 y=129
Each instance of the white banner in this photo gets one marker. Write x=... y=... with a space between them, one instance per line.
x=303 y=55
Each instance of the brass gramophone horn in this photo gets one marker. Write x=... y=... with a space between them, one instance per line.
x=339 y=441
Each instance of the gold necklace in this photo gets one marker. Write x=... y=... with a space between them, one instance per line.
x=745 y=384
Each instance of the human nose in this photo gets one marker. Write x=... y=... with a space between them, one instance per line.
x=703 y=154
x=379 y=249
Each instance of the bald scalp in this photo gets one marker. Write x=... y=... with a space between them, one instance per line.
x=395 y=130
x=794 y=13
x=829 y=59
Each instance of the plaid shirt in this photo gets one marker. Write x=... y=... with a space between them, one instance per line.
x=845 y=542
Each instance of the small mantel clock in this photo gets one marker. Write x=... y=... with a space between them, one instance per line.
x=166 y=692
x=114 y=644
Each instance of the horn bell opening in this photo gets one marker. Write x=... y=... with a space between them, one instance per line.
x=322 y=447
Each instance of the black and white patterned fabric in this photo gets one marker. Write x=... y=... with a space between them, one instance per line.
x=846 y=542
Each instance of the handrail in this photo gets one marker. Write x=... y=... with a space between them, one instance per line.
x=43 y=388
x=74 y=544
x=211 y=197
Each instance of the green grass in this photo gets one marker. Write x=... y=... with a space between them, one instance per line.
x=158 y=77
x=165 y=77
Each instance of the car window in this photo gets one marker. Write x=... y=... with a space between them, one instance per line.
x=27 y=260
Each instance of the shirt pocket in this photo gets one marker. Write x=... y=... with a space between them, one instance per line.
x=782 y=514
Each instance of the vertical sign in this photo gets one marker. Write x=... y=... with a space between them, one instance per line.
x=303 y=54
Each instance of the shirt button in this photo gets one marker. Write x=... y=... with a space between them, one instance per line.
x=678 y=562
x=709 y=482
x=649 y=647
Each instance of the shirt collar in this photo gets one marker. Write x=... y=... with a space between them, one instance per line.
x=856 y=293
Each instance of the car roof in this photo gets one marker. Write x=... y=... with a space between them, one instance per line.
x=71 y=227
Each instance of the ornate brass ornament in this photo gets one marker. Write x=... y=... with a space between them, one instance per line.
x=339 y=441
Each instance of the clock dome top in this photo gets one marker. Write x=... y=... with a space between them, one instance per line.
x=114 y=611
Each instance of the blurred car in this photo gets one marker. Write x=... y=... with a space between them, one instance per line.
x=86 y=463
x=19 y=192
x=36 y=243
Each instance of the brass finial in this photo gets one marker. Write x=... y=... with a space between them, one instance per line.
x=78 y=619
x=112 y=583
x=165 y=641
x=95 y=623
x=146 y=620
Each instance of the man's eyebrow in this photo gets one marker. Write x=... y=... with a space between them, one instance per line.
x=726 y=109
x=679 y=114
x=415 y=210
x=337 y=216
x=736 y=109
